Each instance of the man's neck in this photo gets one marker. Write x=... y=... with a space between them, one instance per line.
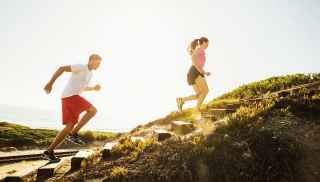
x=89 y=67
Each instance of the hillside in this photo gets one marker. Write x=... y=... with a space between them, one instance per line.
x=253 y=133
x=23 y=137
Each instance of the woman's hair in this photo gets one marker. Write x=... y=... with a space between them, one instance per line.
x=195 y=43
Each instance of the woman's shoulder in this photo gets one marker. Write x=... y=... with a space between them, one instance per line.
x=198 y=51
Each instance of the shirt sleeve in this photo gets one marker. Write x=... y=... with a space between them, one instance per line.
x=76 y=68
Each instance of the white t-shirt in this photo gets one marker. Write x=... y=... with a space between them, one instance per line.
x=79 y=79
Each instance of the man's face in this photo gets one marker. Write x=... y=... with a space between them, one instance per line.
x=94 y=63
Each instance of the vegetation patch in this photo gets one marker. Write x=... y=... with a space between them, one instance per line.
x=14 y=135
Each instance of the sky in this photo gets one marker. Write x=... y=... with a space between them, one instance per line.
x=143 y=44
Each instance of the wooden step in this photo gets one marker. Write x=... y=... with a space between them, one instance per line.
x=198 y=131
x=137 y=139
x=162 y=135
x=221 y=110
x=25 y=174
x=49 y=170
x=106 y=152
x=83 y=158
x=182 y=127
x=216 y=113
x=20 y=176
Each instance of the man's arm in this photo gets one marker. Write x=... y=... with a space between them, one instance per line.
x=95 y=88
x=55 y=76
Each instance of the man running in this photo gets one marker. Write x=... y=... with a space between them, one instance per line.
x=72 y=103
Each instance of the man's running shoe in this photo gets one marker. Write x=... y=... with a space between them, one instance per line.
x=50 y=156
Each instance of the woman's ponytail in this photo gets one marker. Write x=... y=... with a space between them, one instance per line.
x=193 y=45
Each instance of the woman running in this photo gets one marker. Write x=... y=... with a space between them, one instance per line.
x=196 y=74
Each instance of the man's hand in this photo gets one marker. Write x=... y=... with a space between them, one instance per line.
x=48 y=88
x=97 y=87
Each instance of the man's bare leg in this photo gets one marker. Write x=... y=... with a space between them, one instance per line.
x=60 y=136
x=85 y=118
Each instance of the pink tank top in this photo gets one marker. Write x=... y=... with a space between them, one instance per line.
x=201 y=57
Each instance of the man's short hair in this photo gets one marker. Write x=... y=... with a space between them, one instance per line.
x=95 y=56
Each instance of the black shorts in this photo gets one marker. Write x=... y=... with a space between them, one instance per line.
x=193 y=75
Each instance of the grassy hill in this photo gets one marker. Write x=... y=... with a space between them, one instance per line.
x=269 y=140
x=272 y=84
x=13 y=135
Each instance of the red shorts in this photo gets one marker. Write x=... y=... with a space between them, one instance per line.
x=72 y=107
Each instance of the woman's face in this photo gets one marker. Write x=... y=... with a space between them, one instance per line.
x=205 y=45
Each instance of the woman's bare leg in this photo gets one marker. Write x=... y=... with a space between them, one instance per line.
x=181 y=100
x=192 y=97
x=203 y=90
